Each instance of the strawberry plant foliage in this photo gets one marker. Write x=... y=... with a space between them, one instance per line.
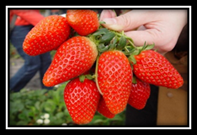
x=116 y=57
x=28 y=106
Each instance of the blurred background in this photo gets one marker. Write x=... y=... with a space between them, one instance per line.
x=33 y=105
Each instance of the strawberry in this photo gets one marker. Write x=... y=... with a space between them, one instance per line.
x=114 y=79
x=81 y=99
x=154 y=68
x=83 y=22
x=47 y=35
x=102 y=109
x=73 y=58
x=140 y=92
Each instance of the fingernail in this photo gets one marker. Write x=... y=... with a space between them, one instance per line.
x=110 y=21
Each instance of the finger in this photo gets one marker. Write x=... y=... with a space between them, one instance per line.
x=139 y=37
x=152 y=36
x=148 y=36
x=107 y=14
x=128 y=21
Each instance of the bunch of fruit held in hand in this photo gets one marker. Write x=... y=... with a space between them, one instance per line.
x=106 y=70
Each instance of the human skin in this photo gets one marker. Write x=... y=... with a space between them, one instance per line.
x=161 y=27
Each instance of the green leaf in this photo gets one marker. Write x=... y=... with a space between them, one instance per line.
x=131 y=66
x=31 y=113
x=56 y=97
x=100 y=32
x=15 y=96
x=100 y=46
x=33 y=110
x=144 y=43
x=59 y=115
x=88 y=76
x=66 y=113
x=132 y=59
x=117 y=117
x=98 y=121
x=98 y=117
x=135 y=52
x=122 y=43
x=82 y=78
x=143 y=47
x=24 y=115
x=113 y=43
x=17 y=105
x=112 y=46
x=37 y=105
x=102 y=22
x=105 y=48
x=107 y=37
x=130 y=39
x=22 y=122
x=134 y=80
x=49 y=106
x=148 y=47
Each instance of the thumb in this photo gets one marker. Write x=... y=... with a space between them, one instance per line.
x=128 y=21
x=107 y=14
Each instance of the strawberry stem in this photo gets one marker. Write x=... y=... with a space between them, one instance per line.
x=106 y=39
x=128 y=38
x=131 y=43
x=93 y=76
x=126 y=49
x=96 y=76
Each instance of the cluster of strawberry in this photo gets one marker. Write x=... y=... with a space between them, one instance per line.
x=105 y=70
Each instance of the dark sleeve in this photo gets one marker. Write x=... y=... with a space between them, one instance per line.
x=183 y=40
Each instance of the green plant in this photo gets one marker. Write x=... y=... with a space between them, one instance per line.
x=42 y=107
x=26 y=107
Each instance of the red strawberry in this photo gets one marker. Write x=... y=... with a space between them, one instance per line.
x=47 y=35
x=81 y=99
x=114 y=79
x=154 y=68
x=102 y=109
x=73 y=58
x=140 y=92
x=83 y=22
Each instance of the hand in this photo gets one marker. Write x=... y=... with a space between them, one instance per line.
x=161 y=27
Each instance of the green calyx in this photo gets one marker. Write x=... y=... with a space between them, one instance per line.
x=106 y=39
x=88 y=76
x=134 y=79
